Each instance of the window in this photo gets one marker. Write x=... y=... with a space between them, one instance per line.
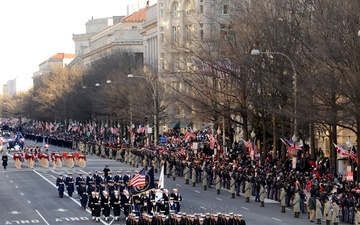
x=201 y=9
x=188 y=8
x=176 y=12
x=134 y=27
x=225 y=8
x=189 y=30
x=162 y=38
x=161 y=5
x=161 y=13
x=176 y=30
x=201 y=31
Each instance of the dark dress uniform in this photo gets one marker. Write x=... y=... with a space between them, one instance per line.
x=69 y=181
x=91 y=205
x=177 y=199
x=61 y=185
x=106 y=204
x=116 y=204
x=126 y=203
x=83 y=195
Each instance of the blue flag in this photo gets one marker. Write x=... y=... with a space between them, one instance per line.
x=150 y=184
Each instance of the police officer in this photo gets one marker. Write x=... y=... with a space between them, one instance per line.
x=60 y=183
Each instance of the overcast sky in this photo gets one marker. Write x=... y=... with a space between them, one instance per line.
x=34 y=30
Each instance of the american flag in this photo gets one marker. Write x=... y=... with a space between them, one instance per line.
x=248 y=144
x=292 y=148
x=353 y=154
x=130 y=131
x=212 y=140
x=189 y=135
x=139 y=180
x=141 y=129
x=341 y=151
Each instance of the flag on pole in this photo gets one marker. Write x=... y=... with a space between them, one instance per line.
x=139 y=179
x=248 y=145
x=149 y=183
x=189 y=135
x=161 y=178
x=353 y=154
x=291 y=147
x=341 y=151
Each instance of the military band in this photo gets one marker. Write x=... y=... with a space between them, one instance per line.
x=152 y=207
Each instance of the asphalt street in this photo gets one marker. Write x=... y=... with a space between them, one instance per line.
x=29 y=196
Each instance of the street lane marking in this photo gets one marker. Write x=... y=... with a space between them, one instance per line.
x=42 y=217
x=22 y=193
x=178 y=185
x=287 y=209
x=276 y=219
x=203 y=207
x=244 y=208
x=218 y=199
x=197 y=191
x=11 y=181
x=16 y=186
x=29 y=201
x=78 y=203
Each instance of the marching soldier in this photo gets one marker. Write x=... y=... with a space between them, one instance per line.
x=91 y=187
x=105 y=204
x=232 y=186
x=193 y=176
x=126 y=202
x=262 y=194
x=247 y=190
x=60 y=183
x=88 y=179
x=283 y=199
x=187 y=174
x=91 y=205
x=318 y=212
x=296 y=204
x=204 y=179
x=335 y=213
x=116 y=205
x=327 y=211
x=83 y=195
x=217 y=183
x=69 y=182
x=177 y=199
x=78 y=181
x=173 y=171
x=97 y=206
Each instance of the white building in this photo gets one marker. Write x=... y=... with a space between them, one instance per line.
x=46 y=67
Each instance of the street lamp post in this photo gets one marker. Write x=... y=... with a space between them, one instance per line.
x=155 y=105
x=258 y=52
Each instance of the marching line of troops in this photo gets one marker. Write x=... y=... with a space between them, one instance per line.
x=104 y=193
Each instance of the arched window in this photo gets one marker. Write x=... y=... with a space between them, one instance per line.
x=188 y=8
x=176 y=10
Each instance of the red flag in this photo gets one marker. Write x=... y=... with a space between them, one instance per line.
x=341 y=151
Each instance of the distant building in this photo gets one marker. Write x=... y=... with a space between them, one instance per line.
x=18 y=85
x=104 y=36
x=45 y=68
